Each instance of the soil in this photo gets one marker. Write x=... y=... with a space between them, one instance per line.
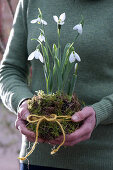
x=58 y=104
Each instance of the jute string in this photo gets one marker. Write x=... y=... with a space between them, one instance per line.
x=53 y=118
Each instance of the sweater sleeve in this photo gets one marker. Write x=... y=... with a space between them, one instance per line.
x=104 y=110
x=14 y=66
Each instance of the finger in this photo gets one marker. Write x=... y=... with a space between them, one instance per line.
x=30 y=135
x=70 y=143
x=84 y=130
x=23 y=113
x=22 y=128
x=33 y=139
x=30 y=139
x=26 y=132
x=82 y=115
x=40 y=140
x=83 y=138
x=54 y=142
x=57 y=140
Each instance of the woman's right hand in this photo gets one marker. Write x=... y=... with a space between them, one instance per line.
x=21 y=122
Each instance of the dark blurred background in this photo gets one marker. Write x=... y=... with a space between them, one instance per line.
x=10 y=138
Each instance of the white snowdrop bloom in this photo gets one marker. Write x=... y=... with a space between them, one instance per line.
x=41 y=38
x=39 y=20
x=78 y=28
x=74 y=56
x=37 y=55
x=43 y=22
x=61 y=19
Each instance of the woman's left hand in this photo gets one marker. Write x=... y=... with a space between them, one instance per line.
x=88 y=116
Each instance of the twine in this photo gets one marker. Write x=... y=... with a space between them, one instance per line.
x=53 y=118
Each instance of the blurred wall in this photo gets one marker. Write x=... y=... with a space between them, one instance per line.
x=6 y=19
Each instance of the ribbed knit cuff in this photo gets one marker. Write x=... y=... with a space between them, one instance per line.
x=103 y=110
x=19 y=96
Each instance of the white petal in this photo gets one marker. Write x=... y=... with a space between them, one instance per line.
x=55 y=18
x=72 y=57
x=34 y=21
x=41 y=38
x=43 y=22
x=31 y=56
x=77 y=56
x=38 y=55
x=78 y=28
x=62 y=17
x=41 y=58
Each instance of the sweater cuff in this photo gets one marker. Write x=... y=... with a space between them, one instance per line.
x=103 y=110
x=19 y=96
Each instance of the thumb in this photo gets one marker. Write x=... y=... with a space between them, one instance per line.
x=76 y=117
x=25 y=115
x=81 y=115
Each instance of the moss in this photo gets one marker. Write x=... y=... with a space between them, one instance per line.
x=59 y=104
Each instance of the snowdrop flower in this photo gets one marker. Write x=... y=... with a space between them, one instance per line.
x=78 y=28
x=60 y=20
x=74 y=56
x=37 y=55
x=41 y=38
x=39 y=20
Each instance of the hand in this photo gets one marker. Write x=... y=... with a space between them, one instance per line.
x=21 y=122
x=88 y=116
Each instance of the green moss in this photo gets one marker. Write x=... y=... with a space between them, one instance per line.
x=59 y=104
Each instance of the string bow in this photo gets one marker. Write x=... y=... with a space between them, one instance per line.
x=52 y=118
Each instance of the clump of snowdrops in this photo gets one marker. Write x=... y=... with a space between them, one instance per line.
x=50 y=113
x=58 y=70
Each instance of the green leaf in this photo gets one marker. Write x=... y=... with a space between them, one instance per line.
x=55 y=51
x=73 y=83
x=59 y=75
x=66 y=73
x=50 y=82
x=67 y=51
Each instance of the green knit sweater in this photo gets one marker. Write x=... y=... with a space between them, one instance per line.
x=95 y=75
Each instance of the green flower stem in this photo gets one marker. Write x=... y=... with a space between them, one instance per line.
x=76 y=37
x=59 y=48
x=49 y=49
x=59 y=57
x=47 y=62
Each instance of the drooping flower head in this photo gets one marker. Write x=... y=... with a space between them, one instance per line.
x=37 y=55
x=41 y=37
x=74 y=56
x=39 y=21
x=79 y=28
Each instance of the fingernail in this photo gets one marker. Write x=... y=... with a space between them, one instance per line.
x=75 y=118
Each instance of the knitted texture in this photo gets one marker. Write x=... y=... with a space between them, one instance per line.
x=95 y=78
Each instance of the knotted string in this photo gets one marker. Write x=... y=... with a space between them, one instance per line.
x=53 y=118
